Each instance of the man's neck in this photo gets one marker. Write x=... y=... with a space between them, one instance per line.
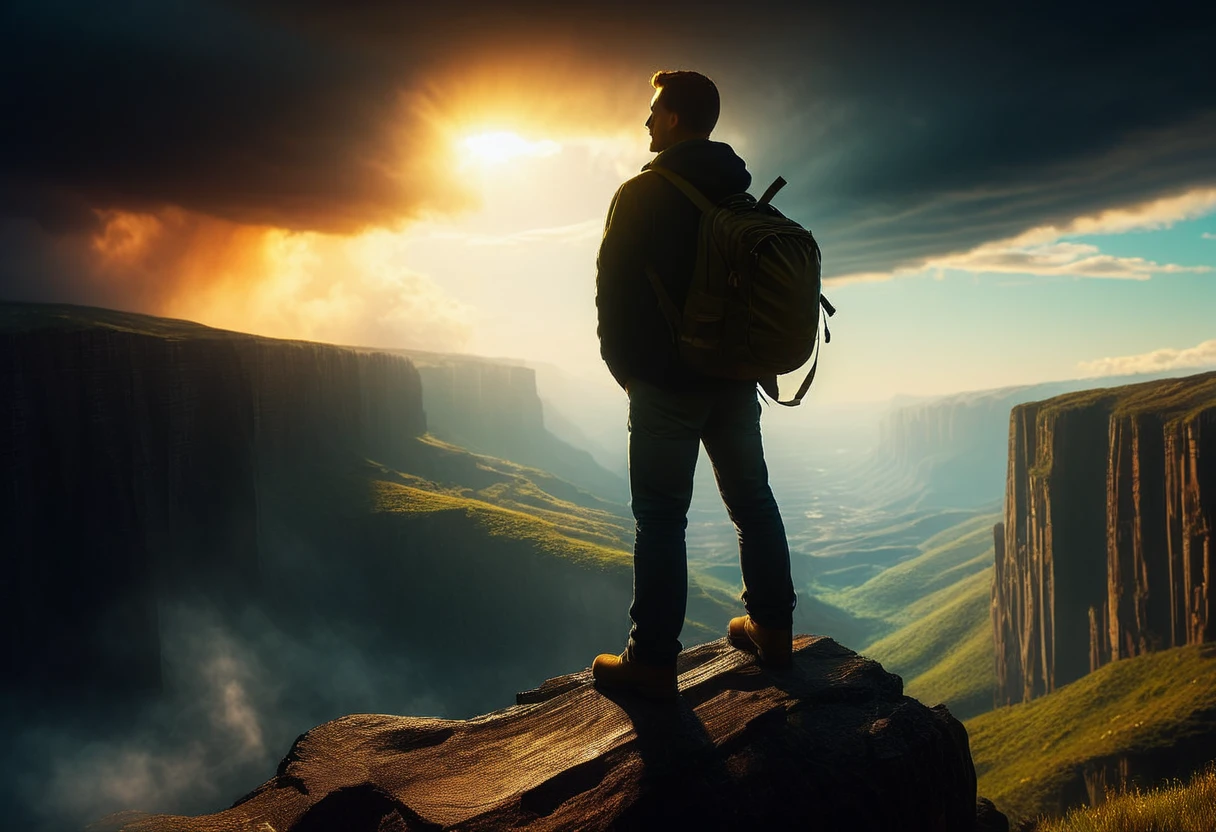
x=684 y=140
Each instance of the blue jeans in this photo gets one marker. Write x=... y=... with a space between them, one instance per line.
x=666 y=429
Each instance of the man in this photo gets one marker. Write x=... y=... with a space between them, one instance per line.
x=672 y=409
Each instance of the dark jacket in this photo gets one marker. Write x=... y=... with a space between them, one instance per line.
x=651 y=221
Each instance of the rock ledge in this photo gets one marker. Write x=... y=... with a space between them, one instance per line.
x=831 y=744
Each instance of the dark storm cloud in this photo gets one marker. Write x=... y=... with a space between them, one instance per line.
x=135 y=105
x=904 y=131
x=949 y=137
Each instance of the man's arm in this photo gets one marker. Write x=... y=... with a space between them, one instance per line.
x=620 y=268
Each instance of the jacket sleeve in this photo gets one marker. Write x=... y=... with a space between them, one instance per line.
x=620 y=270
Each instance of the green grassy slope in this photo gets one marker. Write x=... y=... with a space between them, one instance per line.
x=553 y=532
x=912 y=528
x=484 y=507
x=946 y=656
x=441 y=467
x=946 y=558
x=1029 y=756
x=932 y=616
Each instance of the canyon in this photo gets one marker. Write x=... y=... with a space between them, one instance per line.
x=1106 y=548
x=137 y=455
x=146 y=459
x=493 y=407
x=951 y=450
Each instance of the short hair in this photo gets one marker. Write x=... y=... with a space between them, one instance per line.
x=691 y=96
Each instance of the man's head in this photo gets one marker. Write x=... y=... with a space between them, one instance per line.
x=685 y=106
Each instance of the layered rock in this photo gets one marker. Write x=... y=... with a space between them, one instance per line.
x=133 y=453
x=1108 y=534
x=832 y=743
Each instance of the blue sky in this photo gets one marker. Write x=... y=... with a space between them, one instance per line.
x=977 y=330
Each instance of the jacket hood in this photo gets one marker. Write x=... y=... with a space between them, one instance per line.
x=712 y=167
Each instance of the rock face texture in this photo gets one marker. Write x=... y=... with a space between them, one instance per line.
x=830 y=744
x=133 y=452
x=1107 y=551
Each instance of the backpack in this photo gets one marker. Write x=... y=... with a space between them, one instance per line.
x=752 y=310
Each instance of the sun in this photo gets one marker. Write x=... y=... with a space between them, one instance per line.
x=501 y=146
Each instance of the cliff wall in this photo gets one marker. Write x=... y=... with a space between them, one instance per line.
x=493 y=408
x=1107 y=547
x=133 y=455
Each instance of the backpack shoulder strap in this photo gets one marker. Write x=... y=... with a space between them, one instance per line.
x=777 y=185
x=770 y=384
x=698 y=199
x=806 y=384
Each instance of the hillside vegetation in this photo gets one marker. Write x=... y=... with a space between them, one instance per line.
x=1030 y=757
x=528 y=502
x=935 y=628
x=946 y=656
x=1189 y=807
x=849 y=561
x=905 y=591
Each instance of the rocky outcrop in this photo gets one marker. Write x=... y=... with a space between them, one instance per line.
x=1108 y=536
x=832 y=743
x=133 y=455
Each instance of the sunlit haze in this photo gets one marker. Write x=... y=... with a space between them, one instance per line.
x=500 y=146
x=456 y=203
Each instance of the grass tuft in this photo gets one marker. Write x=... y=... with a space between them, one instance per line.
x=1189 y=807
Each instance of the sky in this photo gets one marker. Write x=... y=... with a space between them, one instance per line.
x=1002 y=195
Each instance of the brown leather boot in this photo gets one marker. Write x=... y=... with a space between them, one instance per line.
x=656 y=682
x=773 y=647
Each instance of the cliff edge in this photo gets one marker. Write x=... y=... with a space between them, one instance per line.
x=832 y=742
x=135 y=454
x=1107 y=549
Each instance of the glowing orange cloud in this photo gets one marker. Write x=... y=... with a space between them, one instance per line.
x=350 y=290
x=355 y=286
x=125 y=237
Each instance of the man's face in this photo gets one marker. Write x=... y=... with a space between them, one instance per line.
x=661 y=124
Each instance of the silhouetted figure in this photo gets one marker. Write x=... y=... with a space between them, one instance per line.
x=673 y=409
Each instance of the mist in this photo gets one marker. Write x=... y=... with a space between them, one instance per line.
x=238 y=689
